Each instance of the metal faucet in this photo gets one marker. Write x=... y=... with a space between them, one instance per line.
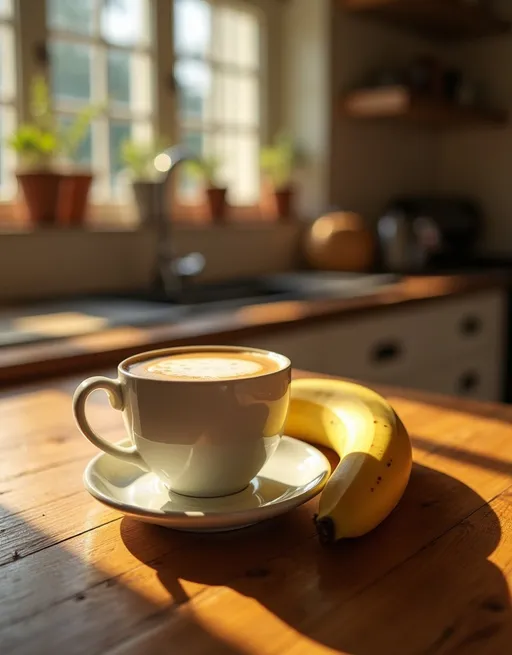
x=172 y=272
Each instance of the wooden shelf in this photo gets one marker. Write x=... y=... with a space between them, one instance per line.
x=398 y=104
x=437 y=19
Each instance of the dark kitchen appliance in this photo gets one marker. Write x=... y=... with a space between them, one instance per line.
x=428 y=233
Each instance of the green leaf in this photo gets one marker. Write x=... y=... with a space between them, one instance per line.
x=73 y=135
x=40 y=103
x=138 y=157
x=33 y=144
x=205 y=168
x=280 y=160
x=37 y=143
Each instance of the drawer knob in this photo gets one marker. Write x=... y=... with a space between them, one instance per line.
x=386 y=352
x=470 y=325
x=468 y=382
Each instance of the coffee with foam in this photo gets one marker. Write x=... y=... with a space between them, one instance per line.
x=208 y=366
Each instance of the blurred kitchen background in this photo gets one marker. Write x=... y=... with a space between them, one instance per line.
x=327 y=178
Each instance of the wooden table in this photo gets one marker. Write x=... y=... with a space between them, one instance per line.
x=435 y=578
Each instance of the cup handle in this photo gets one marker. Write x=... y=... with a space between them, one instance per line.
x=114 y=391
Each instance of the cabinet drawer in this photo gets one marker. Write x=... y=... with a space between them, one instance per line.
x=370 y=348
x=462 y=325
x=345 y=348
x=408 y=346
x=390 y=344
x=479 y=376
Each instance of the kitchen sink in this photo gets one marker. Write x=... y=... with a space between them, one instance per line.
x=231 y=290
x=274 y=288
x=47 y=320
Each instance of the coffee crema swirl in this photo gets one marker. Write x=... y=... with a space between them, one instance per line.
x=207 y=366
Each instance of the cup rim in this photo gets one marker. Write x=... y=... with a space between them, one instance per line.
x=123 y=366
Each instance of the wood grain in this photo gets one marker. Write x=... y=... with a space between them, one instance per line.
x=465 y=609
x=435 y=577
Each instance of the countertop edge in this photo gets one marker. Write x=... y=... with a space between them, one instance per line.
x=106 y=348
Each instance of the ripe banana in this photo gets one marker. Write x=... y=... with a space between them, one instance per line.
x=374 y=449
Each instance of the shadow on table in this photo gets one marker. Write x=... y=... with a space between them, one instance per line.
x=464 y=455
x=360 y=596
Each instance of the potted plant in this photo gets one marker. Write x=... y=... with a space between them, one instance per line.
x=138 y=158
x=207 y=170
x=76 y=182
x=279 y=163
x=36 y=144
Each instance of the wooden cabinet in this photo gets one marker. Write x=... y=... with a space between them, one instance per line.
x=455 y=345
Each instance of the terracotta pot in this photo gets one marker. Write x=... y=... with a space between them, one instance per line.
x=41 y=193
x=73 y=197
x=284 y=203
x=217 y=204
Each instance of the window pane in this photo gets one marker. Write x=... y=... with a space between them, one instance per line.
x=127 y=72
x=248 y=40
x=248 y=109
x=241 y=167
x=7 y=157
x=227 y=36
x=239 y=99
x=125 y=22
x=247 y=185
x=219 y=97
x=194 y=143
x=5 y=8
x=189 y=187
x=119 y=76
x=119 y=131
x=229 y=89
x=83 y=155
x=3 y=149
x=194 y=80
x=7 y=69
x=71 y=15
x=70 y=64
x=192 y=27
x=236 y=38
x=142 y=132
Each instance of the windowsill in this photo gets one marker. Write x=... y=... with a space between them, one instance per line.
x=28 y=230
x=122 y=218
x=178 y=226
x=55 y=261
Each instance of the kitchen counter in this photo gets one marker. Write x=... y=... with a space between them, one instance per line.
x=109 y=346
x=435 y=577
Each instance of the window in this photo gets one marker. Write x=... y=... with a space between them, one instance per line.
x=101 y=54
x=7 y=96
x=218 y=73
x=121 y=57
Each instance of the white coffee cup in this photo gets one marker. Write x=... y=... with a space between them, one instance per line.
x=202 y=438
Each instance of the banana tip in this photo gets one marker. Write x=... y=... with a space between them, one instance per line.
x=326 y=529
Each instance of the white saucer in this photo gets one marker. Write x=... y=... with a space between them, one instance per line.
x=294 y=474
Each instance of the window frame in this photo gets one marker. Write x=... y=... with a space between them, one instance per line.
x=10 y=22
x=100 y=48
x=194 y=212
x=32 y=53
x=212 y=127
